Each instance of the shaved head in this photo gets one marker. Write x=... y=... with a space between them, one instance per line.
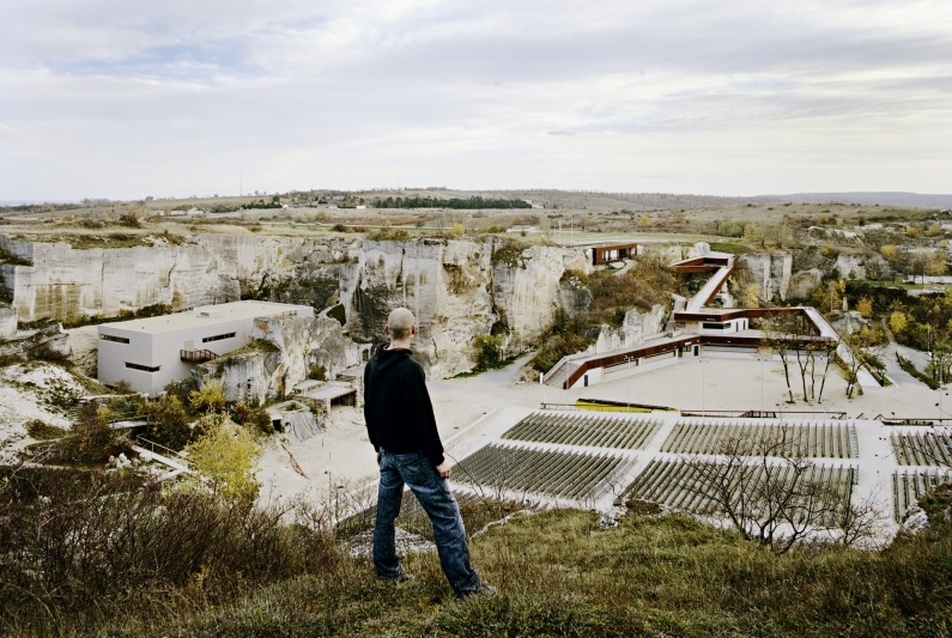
x=400 y=323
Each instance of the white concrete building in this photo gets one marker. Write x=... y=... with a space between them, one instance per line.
x=151 y=353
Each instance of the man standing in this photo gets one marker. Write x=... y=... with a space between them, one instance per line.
x=402 y=429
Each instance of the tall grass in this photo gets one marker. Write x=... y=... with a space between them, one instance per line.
x=80 y=548
x=89 y=554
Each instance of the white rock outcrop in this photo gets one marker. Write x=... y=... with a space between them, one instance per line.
x=456 y=288
x=527 y=293
x=8 y=322
x=71 y=285
x=772 y=273
x=289 y=347
x=636 y=328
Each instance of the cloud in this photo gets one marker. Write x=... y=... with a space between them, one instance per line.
x=108 y=98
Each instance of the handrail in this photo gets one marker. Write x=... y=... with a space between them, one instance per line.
x=891 y=420
x=761 y=414
x=197 y=356
x=554 y=369
x=166 y=451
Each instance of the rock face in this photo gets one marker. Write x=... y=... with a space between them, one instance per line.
x=772 y=273
x=70 y=285
x=8 y=322
x=862 y=265
x=527 y=291
x=48 y=343
x=289 y=348
x=457 y=289
x=446 y=284
x=637 y=327
x=804 y=282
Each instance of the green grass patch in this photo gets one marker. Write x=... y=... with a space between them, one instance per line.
x=163 y=562
x=559 y=575
x=42 y=431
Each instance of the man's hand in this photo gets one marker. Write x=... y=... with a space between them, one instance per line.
x=444 y=469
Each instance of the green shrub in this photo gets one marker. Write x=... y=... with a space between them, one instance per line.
x=42 y=431
x=96 y=555
x=255 y=417
x=509 y=252
x=937 y=504
x=86 y=551
x=556 y=347
x=225 y=458
x=91 y=440
x=317 y=372
x=183 y=390
x=489 y=350
x=730 y=229
x=169 y=422
x=208 y=399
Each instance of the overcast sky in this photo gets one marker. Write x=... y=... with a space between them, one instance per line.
x=123 y=100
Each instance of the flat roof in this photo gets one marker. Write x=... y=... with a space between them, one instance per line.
x=206 y=316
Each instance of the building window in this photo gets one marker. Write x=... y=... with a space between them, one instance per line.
x=715 y=326
x=114 y=338
x=137 y=366
x=227 y=335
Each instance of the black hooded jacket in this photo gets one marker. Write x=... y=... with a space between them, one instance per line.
x=397 y=406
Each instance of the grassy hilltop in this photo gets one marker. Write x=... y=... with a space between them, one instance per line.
x=95 y=557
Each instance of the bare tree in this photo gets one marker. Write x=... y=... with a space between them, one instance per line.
x=770 y=492
x=807 y=363
x=862 y=351
x=777 y=332
x=857 y=522
x=828 y=355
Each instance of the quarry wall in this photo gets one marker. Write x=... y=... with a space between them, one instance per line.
x=457 y=288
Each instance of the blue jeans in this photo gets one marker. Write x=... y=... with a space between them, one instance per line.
x=416 y=472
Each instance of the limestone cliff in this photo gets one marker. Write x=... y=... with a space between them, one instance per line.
x=862 y=265
x=457 y=289
x=636 y=327
x=528 y=291
x=771 y=272
x=8 y=322
x=284 y=352
x=70 y=285
x=803 y=282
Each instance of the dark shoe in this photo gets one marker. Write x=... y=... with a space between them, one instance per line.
x=483 y=591
x=402 y=577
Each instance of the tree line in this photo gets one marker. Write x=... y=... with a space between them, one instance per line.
x=469 y=203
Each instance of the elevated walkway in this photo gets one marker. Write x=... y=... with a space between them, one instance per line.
x=149 y=453
x=721 y=264
x=573 y=369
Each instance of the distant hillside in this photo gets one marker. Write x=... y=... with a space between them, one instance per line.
x=571 y=199
x=909 y=200
x=599 y=200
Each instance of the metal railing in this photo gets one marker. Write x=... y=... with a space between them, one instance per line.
x=197 y=356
